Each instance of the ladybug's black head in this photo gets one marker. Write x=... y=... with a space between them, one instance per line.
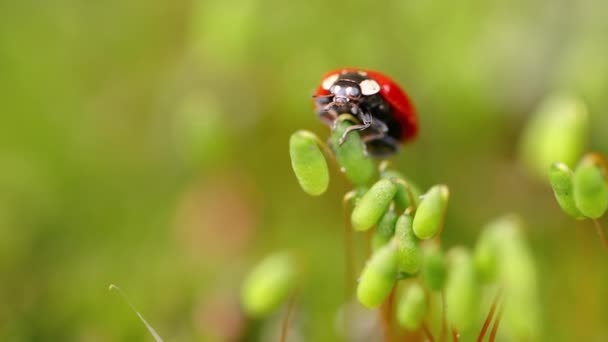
x=345 y=91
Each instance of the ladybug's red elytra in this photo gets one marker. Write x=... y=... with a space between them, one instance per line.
x=386 y=115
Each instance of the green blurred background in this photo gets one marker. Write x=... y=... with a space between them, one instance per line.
x=144 y=143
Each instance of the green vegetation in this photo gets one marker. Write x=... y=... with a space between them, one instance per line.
x=145 y=143
x=406 y=253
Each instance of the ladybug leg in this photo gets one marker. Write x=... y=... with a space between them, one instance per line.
x=327 y=116
x=374 y=129
x=366 y=122
x=322 y=100
x=377 y=142
x=375 y=133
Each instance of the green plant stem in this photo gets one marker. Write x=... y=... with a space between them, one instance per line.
x=153 y=332
x=383 y=166
x=600 y=232
x=285 y=327
x=486 y=323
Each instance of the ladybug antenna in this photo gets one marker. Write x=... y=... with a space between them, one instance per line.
x=314 y=96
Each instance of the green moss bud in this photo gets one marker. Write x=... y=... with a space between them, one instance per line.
x=372 y=206
x=433 y=267
x=378 y=277
x=461 y=289
x=357 y=166
x=590 y=187
x=502 y=255
x=268 y=284
x=431 y=212
x=560 y=177
x=519 y=279
x=408 y=246
x=308 y=163
x=489 y=249
x=486 y=251
x=557 y=132
x=405 y=195
x=385 y=230
x=412 y=307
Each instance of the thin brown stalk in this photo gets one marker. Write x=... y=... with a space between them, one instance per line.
x=444 y=323
x=455 y=335
x=386 y=316
x=600 y=232
x=427 y=332
x=496 y=324
x=285 y=326
x=488 y=320
x=384 y=324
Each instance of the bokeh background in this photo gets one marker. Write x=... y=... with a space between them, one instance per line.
x=144 y=143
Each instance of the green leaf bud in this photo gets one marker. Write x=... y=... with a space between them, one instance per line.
x=407 y=192
x=308 y=163
x=431 y=212
x=560 y=177
x=385 y=230
x=408 y=246
x=557 y=132
x=378 y=277
x=590 y=187
x=268 y=284
x=372 y=206
x=433 y=267
x=412 y=307
x=461 y=289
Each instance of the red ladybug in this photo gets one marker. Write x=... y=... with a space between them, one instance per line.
x=385 y=113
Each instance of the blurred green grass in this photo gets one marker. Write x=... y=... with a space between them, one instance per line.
x=103 y=179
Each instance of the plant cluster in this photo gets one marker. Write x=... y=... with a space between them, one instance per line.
x=420 y=288
x=552 y=145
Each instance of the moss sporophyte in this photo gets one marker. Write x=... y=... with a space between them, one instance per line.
x=418 y=286
x=414 y=283
x=583 y=193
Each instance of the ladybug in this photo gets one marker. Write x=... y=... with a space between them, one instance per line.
x=385 y=113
